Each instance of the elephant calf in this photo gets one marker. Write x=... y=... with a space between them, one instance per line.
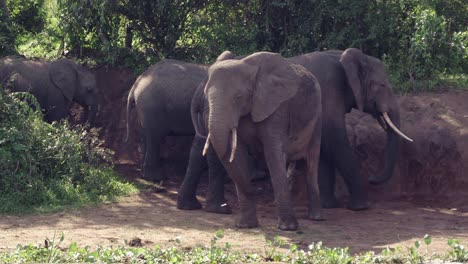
x=259 y=102
x=55 y=84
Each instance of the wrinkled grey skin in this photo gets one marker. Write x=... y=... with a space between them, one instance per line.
x=350 y=79
x=215 y=201
x=162 y=96
x=263 y=98
x=55 y=84
x=343 y=77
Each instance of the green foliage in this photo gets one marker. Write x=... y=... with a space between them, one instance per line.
x=421 y=41
x=458 y=251
x=316 y=253
x=45 y=166
x=27 y=15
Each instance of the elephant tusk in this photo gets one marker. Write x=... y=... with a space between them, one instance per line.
x=234 y=144
x=390 y=123
x=207 y=145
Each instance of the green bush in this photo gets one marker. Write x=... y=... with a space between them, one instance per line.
x=48 y=166
x=427 y=51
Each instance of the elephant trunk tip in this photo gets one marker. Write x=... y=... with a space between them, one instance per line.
x=92 y=113
x=376 y=180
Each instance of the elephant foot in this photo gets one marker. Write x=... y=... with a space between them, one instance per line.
x=247 y=223
x=315 y=216
x=358 y=205
x=153 y=175
x=188 y=204
x=329 y=203
x=288 y=224
x=218 y=208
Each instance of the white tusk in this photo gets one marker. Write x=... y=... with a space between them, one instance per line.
x=390 y=123
x=234 y=144
x=207 y=144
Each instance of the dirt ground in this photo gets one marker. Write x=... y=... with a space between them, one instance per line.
x=427 y=195
x=152 y=216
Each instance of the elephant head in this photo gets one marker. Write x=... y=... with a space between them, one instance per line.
x=255 y=85
x=76 y=83
x=373 y=94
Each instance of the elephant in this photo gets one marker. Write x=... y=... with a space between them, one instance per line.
x=215 y=200
x=351 y=79
x=257 y=103
x=55 y=84
x=348 y=79
x=162 y=96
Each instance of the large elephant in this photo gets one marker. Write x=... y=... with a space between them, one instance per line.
x=162 y=96
x=55 y=84
x=258 y=103
x=348 y=79
x=215 y=201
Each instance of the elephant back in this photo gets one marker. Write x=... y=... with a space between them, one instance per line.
x=26 y=76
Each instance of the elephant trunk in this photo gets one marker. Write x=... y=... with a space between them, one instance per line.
x=392 y=149
x=219 y=130
x=92 y=112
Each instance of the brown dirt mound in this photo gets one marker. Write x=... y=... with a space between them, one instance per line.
x=435 y=164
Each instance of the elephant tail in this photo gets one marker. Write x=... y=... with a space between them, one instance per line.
x=130 y=103
x=196 y=109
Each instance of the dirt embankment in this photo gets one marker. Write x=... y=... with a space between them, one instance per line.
x=435 y=165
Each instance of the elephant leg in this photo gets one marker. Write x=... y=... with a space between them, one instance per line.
x=215 y=201
x=187 y=199
x=326 y=180
x=347 y=164
x=152 y=169
x=56 y=112
x=276 y=162
x=313 y=194
x=238 y=171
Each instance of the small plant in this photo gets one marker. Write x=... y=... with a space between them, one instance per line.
x=316 y=253
x=458 y=252
x=271 y=249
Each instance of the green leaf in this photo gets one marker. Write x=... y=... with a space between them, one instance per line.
x=427 y=239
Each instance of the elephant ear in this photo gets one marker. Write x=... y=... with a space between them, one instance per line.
x=226 y=55
x=276 y=82
x=355 y=66
x=62 y=73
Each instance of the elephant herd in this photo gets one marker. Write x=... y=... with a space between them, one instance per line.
x=243 y=109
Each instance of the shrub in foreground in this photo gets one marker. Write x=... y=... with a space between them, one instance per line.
x=45 y=167
x=315 y=253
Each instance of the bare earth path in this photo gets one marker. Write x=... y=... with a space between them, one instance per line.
x=153 y=218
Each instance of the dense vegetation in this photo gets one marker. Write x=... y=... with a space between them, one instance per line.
x=45 y=167
x=53 y=252
x=421 y=41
